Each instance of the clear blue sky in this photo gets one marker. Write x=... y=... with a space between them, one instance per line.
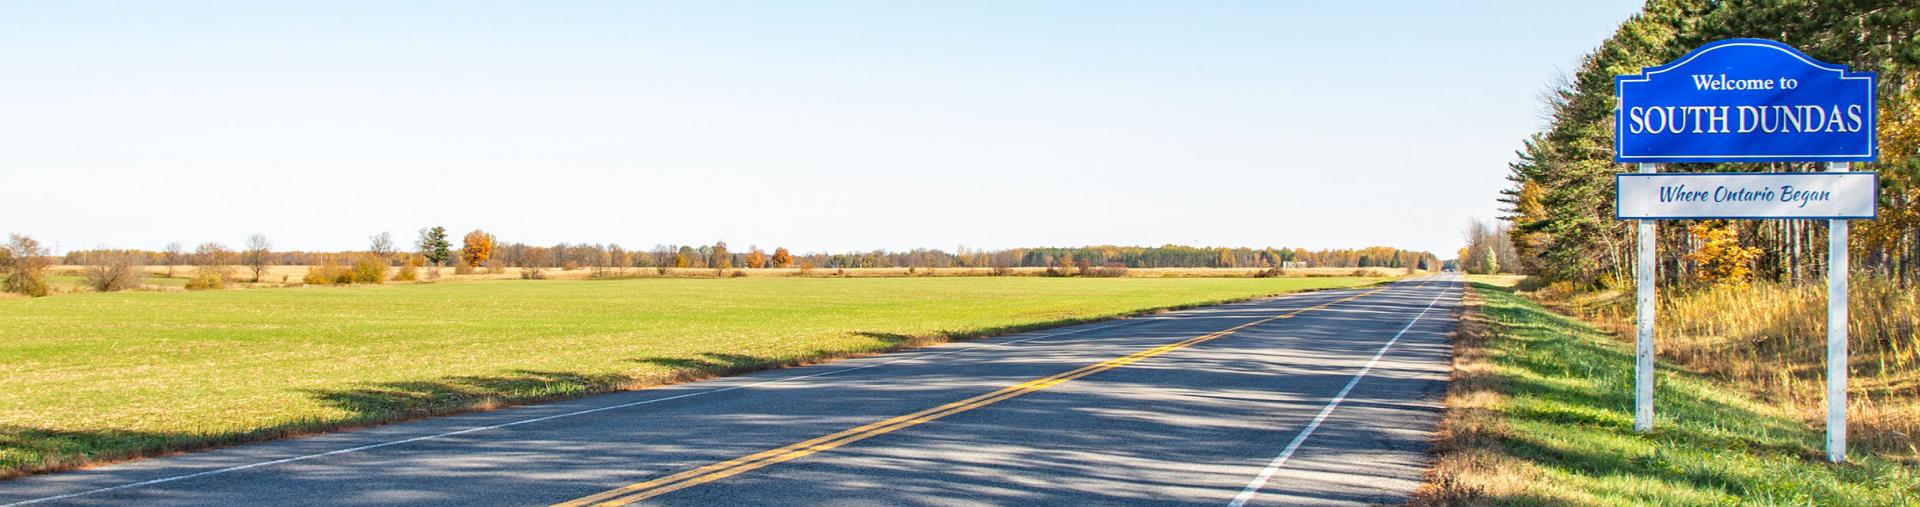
x=812 y=125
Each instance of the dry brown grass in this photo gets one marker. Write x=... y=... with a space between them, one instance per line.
x=1472 y=465
x=1503 y=281
x=1773 y=341
x=1770 y=340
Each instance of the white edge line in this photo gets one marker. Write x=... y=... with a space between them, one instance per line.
x=237 y=468
x=1259 y=481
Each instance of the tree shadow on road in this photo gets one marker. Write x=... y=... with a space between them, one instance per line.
x=417 y=398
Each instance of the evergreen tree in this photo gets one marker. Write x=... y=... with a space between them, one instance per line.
x=433 y=245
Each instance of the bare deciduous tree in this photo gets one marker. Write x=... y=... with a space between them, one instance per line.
x=382 y=246
x=533 y=267
x=258 y=255
x=172 y=256
x=109 y=270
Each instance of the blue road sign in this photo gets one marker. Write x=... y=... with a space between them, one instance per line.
x=1745 y=100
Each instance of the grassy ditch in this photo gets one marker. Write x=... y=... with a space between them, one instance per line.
x=1540 y=413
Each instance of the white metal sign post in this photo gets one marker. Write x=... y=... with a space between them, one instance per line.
x=1643 y=306
x=1746 y=100
x=1837 y=333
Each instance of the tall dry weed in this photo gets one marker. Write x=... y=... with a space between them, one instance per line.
x=1771 y=339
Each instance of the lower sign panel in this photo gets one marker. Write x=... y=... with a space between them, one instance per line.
x=1677 y=196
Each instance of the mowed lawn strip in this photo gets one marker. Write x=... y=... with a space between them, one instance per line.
x=1541 y=413
x=107 y=376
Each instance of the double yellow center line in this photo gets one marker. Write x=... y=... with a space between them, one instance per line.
x=717 y=471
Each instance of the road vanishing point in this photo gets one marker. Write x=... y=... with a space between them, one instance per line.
x=1319 y=398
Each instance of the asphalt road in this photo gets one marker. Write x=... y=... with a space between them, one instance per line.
x=1322 y=398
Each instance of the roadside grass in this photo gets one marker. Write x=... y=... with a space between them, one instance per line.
x=106 y=376
x=1540 y=413
x=1775 y=347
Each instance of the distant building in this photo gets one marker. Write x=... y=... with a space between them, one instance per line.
x=1293 y=264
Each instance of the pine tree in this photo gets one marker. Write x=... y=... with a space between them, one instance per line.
x=433 y=245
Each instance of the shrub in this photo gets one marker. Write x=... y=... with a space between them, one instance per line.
x=207 y=279
x=1001 y=270
x=113 y=271
x=329 y=271
x=1557 y=291
x=26 y=266
x=569 y=266
x=1110 y=270
x=409 y=272
x=533 y=273
x=662 y=270
x=369 y=269
x=739 y=274
x=496 y=266
x=1273 y=272
x=462 y=268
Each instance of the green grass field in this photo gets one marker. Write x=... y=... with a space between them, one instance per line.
x=98 y=376
x=1551 y=424
x=77 y=282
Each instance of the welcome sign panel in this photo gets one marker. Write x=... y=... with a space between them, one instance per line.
x=1674 y=196
x=1745 y=100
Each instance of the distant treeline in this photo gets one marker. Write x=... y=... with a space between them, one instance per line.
x=481 y=249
